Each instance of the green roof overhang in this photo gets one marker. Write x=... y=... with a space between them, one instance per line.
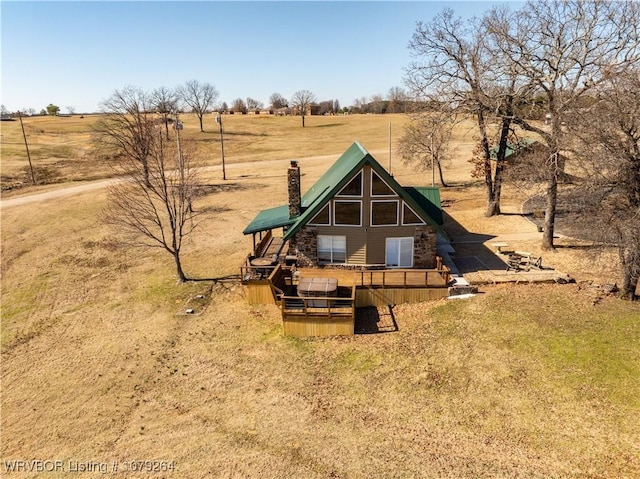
x=428 y=197
x=269 y=219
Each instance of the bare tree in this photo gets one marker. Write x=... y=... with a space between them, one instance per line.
x=377 y=103
x=71 y=110
x=278 y=101
x=253 y=104
x=127 y=127
x=608 y=145
x=200 y=97
x=361 y=105
x=165 y=102
x=454 y=66
x=152 y=207
x=564 y=50
x=397 y=99
x=239 y=106
x=301 y=101
x=425 y=141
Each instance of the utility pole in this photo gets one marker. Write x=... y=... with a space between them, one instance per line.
x=433 y=164
x=179 y=126
x=389 y=147
x=26 y=145
x=219 y=122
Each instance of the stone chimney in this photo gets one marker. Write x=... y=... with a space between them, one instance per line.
x=293 y=181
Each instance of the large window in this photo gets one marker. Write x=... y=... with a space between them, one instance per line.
x=384 y=213
x=409 y=217
x=322 y=218
x=353 y=188
x=379 y=187
x=399 y=252
x=332 y=249
x=347 y=213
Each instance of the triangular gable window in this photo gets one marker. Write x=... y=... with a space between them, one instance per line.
x=322 y=218
x=353 y=188
x=409 y=217
x=379 y=187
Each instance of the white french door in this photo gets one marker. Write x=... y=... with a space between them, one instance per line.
x=399 y=252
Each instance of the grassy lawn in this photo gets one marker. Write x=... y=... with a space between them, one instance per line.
x=61 y=147
x=99 y=364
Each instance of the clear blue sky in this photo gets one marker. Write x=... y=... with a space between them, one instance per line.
x=77 y=53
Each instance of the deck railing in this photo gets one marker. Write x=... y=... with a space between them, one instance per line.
x=263 y=244
x=405 y=278
x=319 y=306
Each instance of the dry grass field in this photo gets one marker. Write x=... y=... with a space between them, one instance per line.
x=99 y=365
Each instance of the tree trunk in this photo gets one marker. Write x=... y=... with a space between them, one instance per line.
x=484 y=142
x=303 y=121
x=444 y=185
x=181 y=276
x=550 y=212
x=493 y=205
x=200 y=119
x=493 y=208
x=630 y=260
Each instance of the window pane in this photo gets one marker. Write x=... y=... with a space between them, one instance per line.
x=379 y=187
x=399 y=252
x=339 y=249
x=384 y=213
x=322 y=218
x=392 y=251
x=332 y=249
x=409 y=217
x=347 y=213
x=354 y=187
x=324 y=248
x=339 y=243
x=406 y=252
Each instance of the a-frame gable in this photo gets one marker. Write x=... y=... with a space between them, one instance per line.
x=402 y=193
x=339 y=175
x=328 y=185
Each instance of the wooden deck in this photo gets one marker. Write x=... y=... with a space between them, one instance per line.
x=302 y=317
x=320 y=316
x=386 y=278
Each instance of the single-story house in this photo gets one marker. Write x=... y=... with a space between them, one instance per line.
x=356 y=215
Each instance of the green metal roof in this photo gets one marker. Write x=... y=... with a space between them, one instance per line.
x=269 y=219
x=512 y=149
x=428 y=197
x=425 y=201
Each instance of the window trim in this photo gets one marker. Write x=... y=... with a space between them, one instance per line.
x=311 y=222
x=399 y=239
x=342 y=224
x=393 y=194
x=340 y=194
x=404 y=223
x=331 y=262
x=397 y=202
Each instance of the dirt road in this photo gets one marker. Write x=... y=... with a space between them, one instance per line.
x=100 y=184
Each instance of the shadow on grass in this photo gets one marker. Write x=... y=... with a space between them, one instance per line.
x=328 y=125
x=375 y=320
x=471 y=254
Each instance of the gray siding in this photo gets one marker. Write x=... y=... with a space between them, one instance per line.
x=356 y=241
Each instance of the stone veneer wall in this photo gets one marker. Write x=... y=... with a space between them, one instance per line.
x=424 y=247
x=293 y=183
x=305 y=243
